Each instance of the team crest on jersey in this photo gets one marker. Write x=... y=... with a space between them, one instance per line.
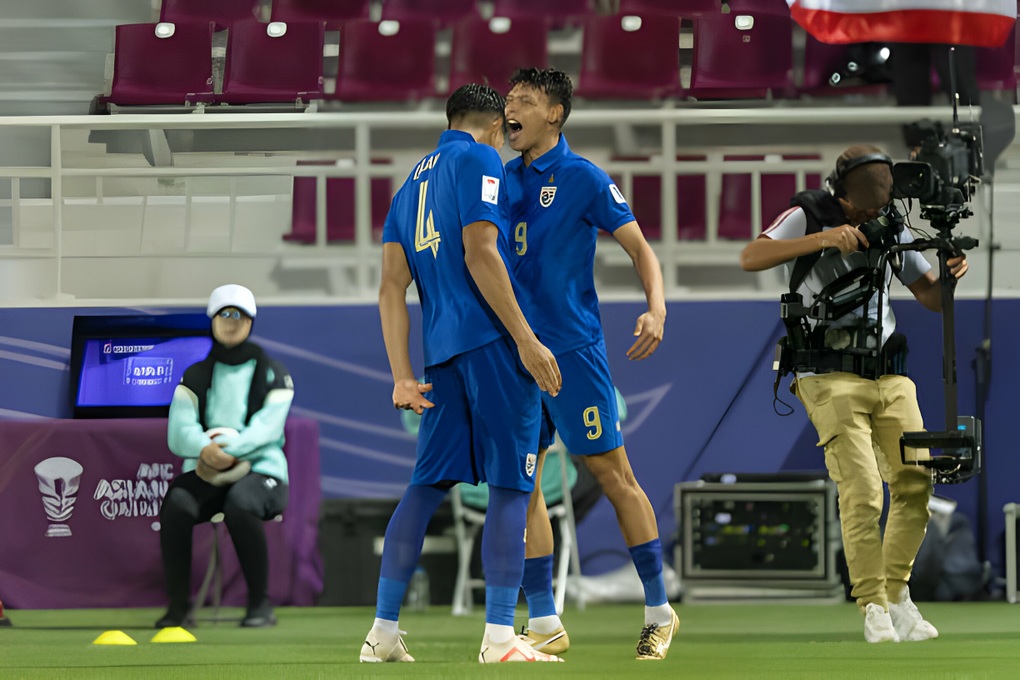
x=529 y=464
x=617 y=194
x=546 y=196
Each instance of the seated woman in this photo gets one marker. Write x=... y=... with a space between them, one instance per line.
x=226 y=422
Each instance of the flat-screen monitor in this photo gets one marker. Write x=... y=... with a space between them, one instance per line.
x=127 y=366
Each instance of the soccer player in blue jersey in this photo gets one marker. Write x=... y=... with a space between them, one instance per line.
x=559 y=201
x=447 y=231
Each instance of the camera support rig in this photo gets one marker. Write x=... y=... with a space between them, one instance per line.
x=954 y=454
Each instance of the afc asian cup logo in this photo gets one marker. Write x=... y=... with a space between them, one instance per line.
x=58 y=482
x=546 y=196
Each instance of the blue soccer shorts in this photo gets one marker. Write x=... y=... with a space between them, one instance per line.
x=484 y=426
x=585 y=412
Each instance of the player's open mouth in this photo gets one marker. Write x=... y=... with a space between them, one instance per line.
x=514 y=125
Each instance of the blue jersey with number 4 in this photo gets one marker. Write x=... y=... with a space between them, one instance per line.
x=460 y=182
x=557 y=205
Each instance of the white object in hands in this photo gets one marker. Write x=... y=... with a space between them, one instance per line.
x=222 y=477
x=215 y=432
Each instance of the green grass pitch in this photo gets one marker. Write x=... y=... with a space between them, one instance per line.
x=978 y=641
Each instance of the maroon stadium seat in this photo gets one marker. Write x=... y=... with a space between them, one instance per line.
x=148 y=69
x=379 y=67
x=263 y=67
x=333 y=12
x=221 y=12
x=482 y=55
x=617 y=63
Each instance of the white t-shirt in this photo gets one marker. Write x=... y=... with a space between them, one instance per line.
x=793 y=224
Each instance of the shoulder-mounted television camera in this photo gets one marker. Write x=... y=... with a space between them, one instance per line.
x=945 y=170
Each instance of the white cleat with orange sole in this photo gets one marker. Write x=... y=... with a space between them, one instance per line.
x=514 y=650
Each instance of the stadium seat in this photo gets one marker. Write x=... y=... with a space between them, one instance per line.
x=340 y=202
x=741 y=56
x=490 y=51
x=333 y=12
x=544 y=9
x=629 y=58
x=274 y=62
x=386 y=61
x=221 y=12
x=443 y=12
x=684 y=8
x=173 y=68
x=996 y=66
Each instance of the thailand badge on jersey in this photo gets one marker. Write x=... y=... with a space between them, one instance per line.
x=546 y=196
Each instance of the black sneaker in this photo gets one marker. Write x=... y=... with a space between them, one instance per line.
x=173 y=619
x=259 y=617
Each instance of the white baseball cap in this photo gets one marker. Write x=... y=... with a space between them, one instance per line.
x=231 y=295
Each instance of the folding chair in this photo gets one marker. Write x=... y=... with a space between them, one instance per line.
x=212 y=583
x=468 y=521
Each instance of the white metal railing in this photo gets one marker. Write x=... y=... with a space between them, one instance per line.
x=359 y=259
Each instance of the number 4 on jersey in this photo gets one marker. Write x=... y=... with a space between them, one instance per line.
x=425 y=234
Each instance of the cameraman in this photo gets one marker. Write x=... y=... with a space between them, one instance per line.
x=859 y=420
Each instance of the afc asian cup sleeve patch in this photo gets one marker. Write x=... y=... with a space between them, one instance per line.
x=490 y=189
x=617 y=194
x=530 y=464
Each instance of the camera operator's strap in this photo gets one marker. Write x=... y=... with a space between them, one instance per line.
x=822 y=210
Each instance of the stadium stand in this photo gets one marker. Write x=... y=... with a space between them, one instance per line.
x=628 y=58
x=221 y=12
x=388 y=61
x=490 y=51
x=276 y=62
x=162 y=64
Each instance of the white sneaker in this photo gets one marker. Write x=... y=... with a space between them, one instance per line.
x=909 y=623
x=381 y=646
x=514 y=650
x=878 y=625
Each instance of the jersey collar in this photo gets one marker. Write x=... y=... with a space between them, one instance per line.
x=455 y=136
x=552 y=156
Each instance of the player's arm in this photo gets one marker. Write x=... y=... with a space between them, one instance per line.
x=766 y=252
x=396 y=326
x=928 y=288
x=650 y=325
x=481 y=255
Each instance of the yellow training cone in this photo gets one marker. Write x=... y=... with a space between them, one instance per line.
x=114 y=637
x=175 y=634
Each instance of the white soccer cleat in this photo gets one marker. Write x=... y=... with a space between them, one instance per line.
x=514 y=650
x=878 y=625
x=382 y=647
x=909 y=624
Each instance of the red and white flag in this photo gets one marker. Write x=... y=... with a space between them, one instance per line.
x=984 y=23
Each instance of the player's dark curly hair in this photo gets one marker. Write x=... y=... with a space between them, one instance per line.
x=555 y=84
x=474 y=98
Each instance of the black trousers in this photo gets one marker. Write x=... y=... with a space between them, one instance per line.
x=245 y=505
x=911 y=68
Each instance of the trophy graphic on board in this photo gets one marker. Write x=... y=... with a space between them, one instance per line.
x=58 y=482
